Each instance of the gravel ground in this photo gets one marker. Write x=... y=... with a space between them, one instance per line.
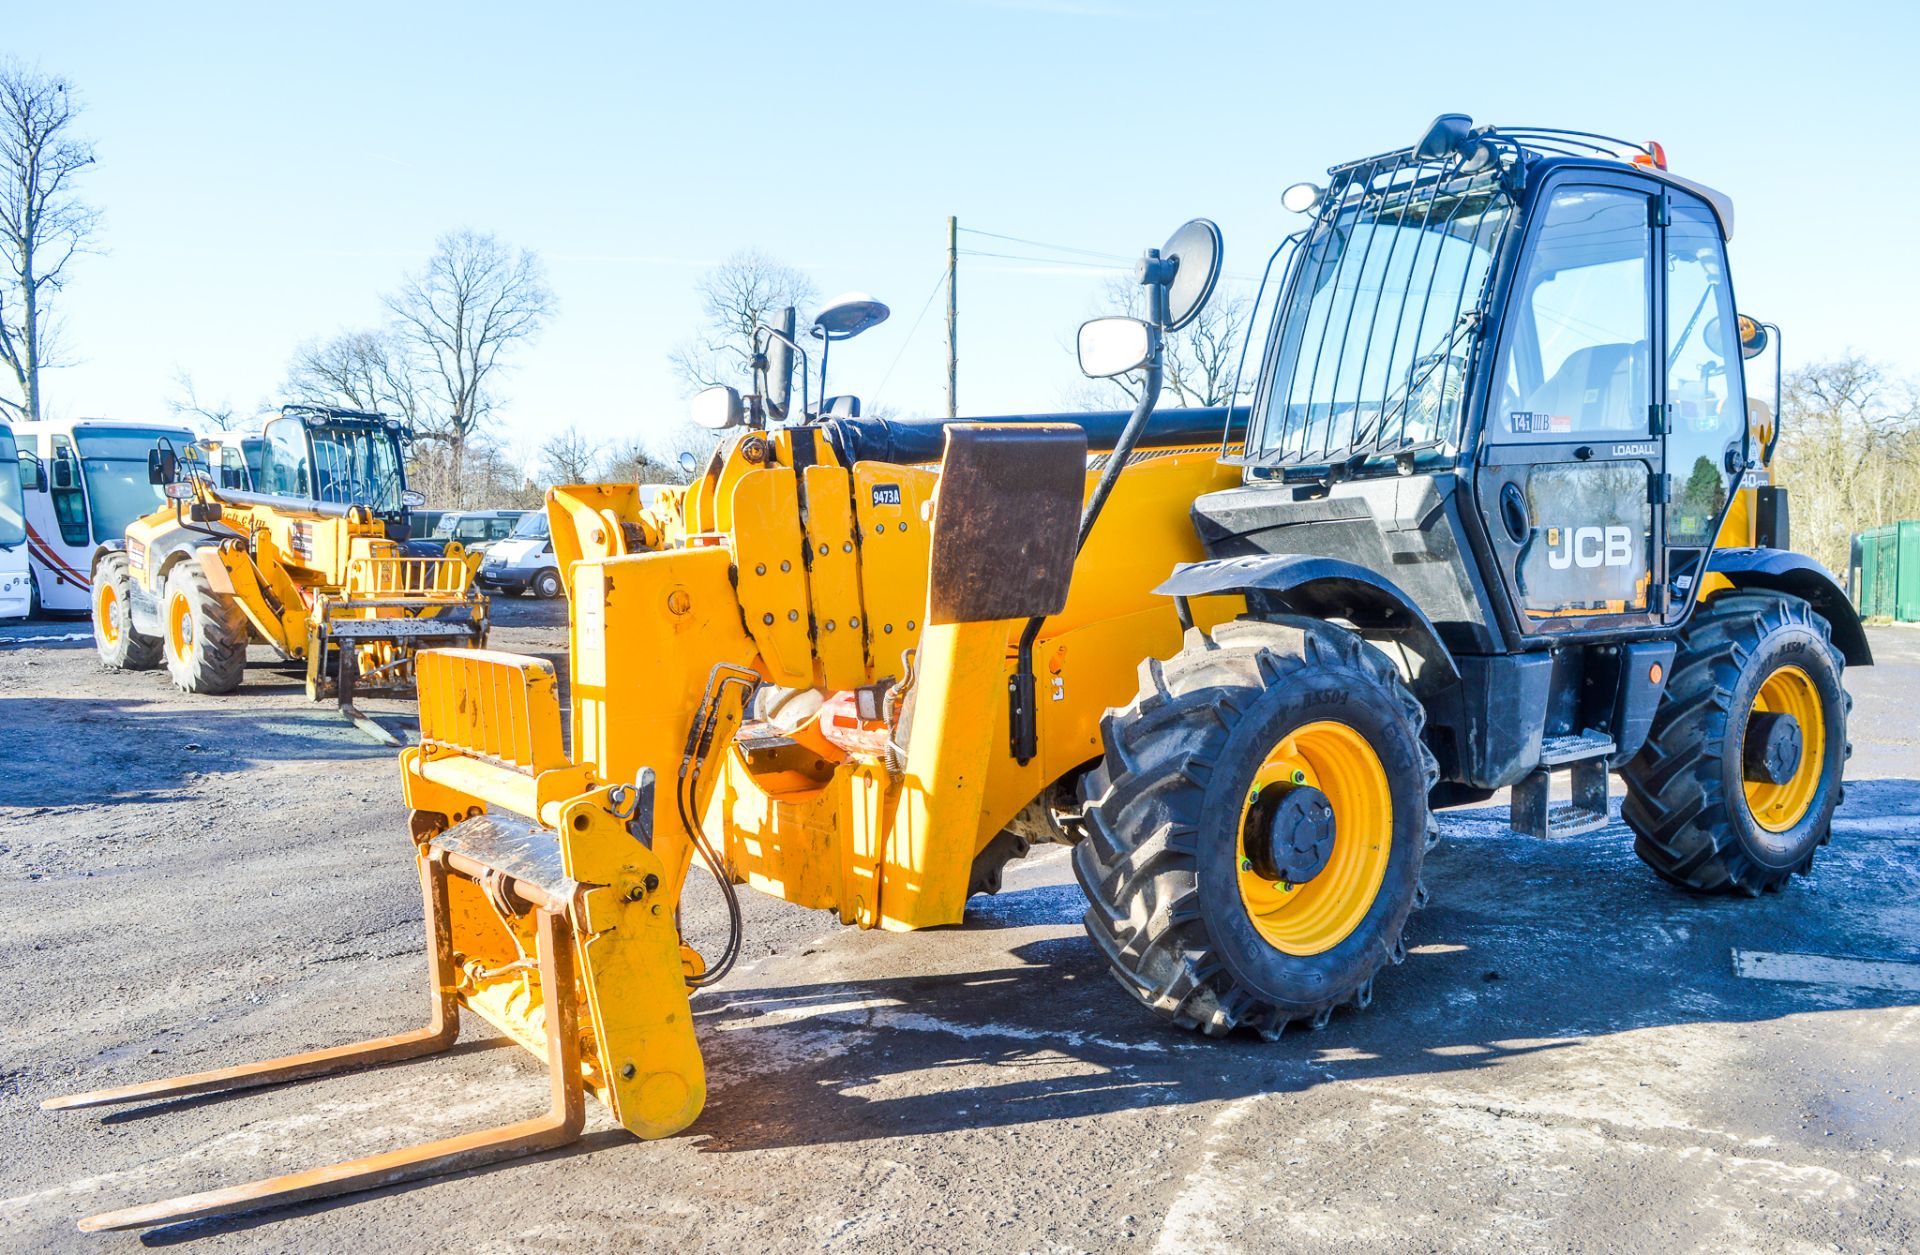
x=1574 y=1057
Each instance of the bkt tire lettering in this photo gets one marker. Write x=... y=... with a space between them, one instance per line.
x=1592 y=547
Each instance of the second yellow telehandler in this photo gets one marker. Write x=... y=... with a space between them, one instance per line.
x=1499 y=514
x=298 y=539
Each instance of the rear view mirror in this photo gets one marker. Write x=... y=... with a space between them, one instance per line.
x=33 y=473
x=1753 y=338
x=1113 y=346
x=413 y=500
x=718 y=408
x=162 y=464
x=63 y=476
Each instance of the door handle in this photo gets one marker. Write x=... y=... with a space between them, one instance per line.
x=1513 y=513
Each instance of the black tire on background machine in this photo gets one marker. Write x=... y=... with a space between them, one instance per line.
x=1684 y=803
x=1162 y=792
x=120 y=645
x=217 y=661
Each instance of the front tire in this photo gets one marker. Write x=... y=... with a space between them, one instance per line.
x=204 y=633
x=1201 y=914
x=120 y=646
x=546 y=585
x=1705 y=816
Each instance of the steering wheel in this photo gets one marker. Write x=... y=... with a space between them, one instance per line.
x=1433 y=382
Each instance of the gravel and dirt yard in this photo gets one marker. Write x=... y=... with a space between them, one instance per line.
x=1575 y=1057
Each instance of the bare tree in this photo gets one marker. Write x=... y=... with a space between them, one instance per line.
x=571 y=457
x=735 y=297
x=631 y=461
x=186 y=403
x=1200 y=357
x=360 y=370
x=43 y=224
x=1850 y=453
x=458 y=318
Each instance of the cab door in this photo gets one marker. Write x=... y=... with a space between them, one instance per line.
x=1705 y=404
x=1570 y=468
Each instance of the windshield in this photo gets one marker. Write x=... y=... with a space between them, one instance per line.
x=113 y=460
x=1372 y=345
x=531 y=526
x=13 y=519
x=357 y=466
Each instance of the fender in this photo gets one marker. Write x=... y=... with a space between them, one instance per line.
x=1324 y=588
x=1783 y=571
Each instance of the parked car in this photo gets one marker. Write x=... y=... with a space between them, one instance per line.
x=524 y=562
x=476 y=529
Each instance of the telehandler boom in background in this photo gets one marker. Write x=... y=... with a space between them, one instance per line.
x=1499 y=512
x=295 y=539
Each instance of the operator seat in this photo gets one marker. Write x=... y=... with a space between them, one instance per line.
x=1602 y=388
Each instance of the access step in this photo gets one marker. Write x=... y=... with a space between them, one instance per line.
x=1583 y=755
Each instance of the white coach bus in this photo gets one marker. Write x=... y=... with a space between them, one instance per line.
x=91 y=482
x=14 y=597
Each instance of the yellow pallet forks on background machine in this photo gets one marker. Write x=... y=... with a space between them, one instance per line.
x=296 y=539
x=1467 y=537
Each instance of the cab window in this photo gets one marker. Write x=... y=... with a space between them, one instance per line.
x=1575 y=362
x=1706 y=404
x=283 y=459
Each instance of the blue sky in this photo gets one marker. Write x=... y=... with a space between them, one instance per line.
x=268 y=170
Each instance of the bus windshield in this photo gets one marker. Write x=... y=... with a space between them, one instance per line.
x=356 y=465
x=13 y=518
x=113 y=460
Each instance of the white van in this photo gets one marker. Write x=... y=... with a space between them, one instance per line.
x=15 y=475
x=95 y=484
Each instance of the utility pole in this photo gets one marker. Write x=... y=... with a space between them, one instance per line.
x=953 y=318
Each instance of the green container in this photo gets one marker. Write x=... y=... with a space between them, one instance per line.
x=1886 y=577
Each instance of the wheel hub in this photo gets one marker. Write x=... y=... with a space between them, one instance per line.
x=1293 y=840
x=1773 y=748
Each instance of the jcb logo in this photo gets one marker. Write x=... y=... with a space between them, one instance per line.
x=1589 y=547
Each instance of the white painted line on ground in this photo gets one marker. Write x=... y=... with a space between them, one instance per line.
x=42 y=640
x=1823 y=969
x=1193 y=1221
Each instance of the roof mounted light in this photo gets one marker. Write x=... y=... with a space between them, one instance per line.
x=1655 y=156
x=1301 y=198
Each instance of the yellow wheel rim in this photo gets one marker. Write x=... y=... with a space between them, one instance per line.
x=1778 y=807
x=1316 y=916
x=180 y=625
x=104 y=603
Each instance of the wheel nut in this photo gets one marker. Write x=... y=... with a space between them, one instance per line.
x=1299 y=777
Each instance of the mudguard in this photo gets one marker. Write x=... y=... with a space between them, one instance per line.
x=1783 y=571
x=1323 y=588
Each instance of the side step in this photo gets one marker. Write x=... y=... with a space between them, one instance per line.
x=1584 y=757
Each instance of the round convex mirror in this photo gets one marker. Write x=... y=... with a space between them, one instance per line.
x=1196 y=246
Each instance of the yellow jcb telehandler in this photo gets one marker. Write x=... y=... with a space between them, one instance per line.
x=1499 y=512
x=298 y=539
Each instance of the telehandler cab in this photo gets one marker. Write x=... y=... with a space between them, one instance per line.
x=1499 y=512
x=297 y=539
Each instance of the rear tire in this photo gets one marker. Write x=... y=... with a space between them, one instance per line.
x=546 y=585
x=120 y=646
x=204 y=634
x=1186 y=927
x=1697 y=821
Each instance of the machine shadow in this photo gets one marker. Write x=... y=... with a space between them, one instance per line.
x=1528 y=948
x=139 y=750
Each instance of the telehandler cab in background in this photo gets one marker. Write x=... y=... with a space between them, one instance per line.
x=1499 y=512
x=295 y=538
